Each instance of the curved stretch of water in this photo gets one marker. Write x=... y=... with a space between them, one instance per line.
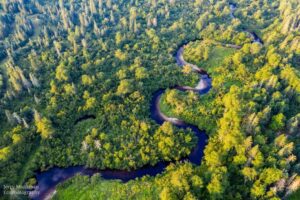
x=47 y=181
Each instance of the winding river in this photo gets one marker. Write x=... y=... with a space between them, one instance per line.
x=48 y=180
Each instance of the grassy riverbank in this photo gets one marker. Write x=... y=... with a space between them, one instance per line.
x=95 y=188
x=207 y=54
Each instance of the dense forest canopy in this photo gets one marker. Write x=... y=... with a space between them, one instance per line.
x=77 y=78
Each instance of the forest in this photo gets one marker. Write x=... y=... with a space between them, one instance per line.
x=77 y=79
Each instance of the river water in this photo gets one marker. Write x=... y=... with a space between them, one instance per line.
x=48 y=180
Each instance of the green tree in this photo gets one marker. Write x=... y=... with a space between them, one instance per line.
x=44 y=127
x=278 y=122
x=4 y=153
x=125 y=87
x=274 y=59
